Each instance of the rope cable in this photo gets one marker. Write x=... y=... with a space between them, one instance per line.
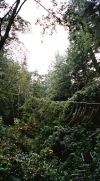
x=89 y=103
x=74 y=114
x=71 y=112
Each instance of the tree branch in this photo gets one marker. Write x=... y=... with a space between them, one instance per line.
x=20 y=7
x=10 y=22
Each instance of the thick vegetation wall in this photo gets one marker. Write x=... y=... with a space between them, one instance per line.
x=52 y=142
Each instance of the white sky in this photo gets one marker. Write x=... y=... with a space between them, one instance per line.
x=41 y=54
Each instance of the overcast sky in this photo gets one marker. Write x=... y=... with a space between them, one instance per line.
x=41 y=54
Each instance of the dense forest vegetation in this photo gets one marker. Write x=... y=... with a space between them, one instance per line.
x=50 y=124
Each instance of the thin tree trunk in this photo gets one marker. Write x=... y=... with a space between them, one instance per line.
x=94 y=61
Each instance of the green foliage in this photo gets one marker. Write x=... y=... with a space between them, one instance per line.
x=52 y=153
x=83 y=30
x=59 y=80
x=90 y=93
x=14 y=89
x=38 y=87
x=43 y=110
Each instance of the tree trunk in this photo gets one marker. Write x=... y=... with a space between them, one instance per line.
x=94 y=61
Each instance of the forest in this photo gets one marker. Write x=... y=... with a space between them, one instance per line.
x=50 y=124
